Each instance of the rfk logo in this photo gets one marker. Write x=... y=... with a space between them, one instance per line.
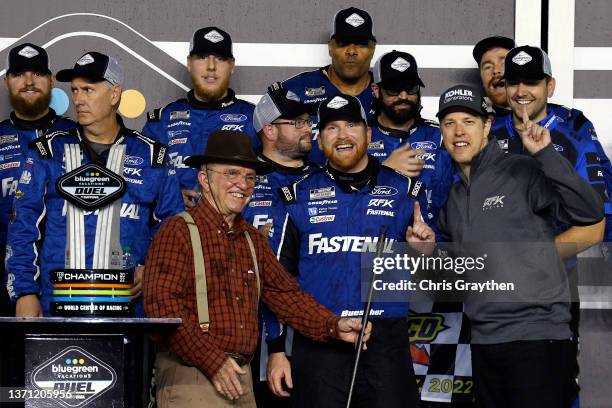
x=493 y=202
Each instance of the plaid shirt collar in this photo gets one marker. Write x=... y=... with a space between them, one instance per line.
x=210 y=216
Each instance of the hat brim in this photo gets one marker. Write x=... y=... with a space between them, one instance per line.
x=351 y=38
x=213 y=52
x=67 y=75
x=351 y=118
x=260 y=167
x=459 y=108
x=26 y=67
x=401 y=85
x=524 y=77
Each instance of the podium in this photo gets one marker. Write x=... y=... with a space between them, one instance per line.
x=61 y=362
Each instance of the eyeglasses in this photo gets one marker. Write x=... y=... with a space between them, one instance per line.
x=298 y=123
x=236 y=176
x=410 y=91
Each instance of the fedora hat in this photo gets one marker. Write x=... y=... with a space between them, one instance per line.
x=229 y=146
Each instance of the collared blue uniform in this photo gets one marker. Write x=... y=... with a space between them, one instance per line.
x=438 y=168
x=314 y=87
x=15 y=136
x=578 y=148
x=266 y=206
x=184 y=126
x=152 y=195
x=585 y=130
x=328 y=226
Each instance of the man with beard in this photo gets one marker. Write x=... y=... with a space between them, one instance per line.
x=184 y=125
x=28 y=82
x=411 y=145
x=401 y=139
x=490 y=53
x=283 y=124
x=351 y=48
x=112 y=233
x=332 y=217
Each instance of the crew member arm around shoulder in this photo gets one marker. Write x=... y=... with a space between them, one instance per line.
x=169 y=273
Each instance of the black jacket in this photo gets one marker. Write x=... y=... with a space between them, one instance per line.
x=507 y=211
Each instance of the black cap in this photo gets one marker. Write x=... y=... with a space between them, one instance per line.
x=28 y=57
x=463 y=98
x=527 y=63
x=211 y=40
x=277 y=103
x=396 y=70
x=94 y=66
x=488 y=43
x=352 y=25
x=340 y=107
x=230 y=146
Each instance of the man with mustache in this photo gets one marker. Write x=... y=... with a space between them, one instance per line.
x=333 y=216
x=29 y=82
x=283 y=124
x=115 y=231
x=184 y=125
x=401 y=139
x=490 y=53
x=351 y=48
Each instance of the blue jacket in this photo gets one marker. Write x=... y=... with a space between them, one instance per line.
x=313 y=87
x=574 y=142
x=329 y=224
x=437 y=173
x=184 y=126
x=15 y=136
x=152 y=195
x=585 y=130
x=266 y=206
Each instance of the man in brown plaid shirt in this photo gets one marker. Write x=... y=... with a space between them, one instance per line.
x=211 y=368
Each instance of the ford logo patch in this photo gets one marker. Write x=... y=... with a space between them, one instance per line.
x=233 y=117
x=423 y=145
x=133 y=160
x=383 y=191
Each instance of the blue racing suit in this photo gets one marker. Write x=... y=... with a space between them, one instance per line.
x=313 y=87
x=184 y=126
x=15 y=136
x=152 y=195
x=328 y=225
x=579 y=149
x=437 y=173
x=266 y=206
x=584 y=130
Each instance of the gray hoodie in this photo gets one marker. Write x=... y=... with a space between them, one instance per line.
x=508 y=210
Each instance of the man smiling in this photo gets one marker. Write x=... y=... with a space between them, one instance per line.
x=522 y=353
x=29 y=82
x=208 y=357
x=330 y=214
x=184 y=125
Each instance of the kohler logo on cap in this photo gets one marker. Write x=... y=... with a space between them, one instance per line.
x=400 y=64
x=458 y=92
x=355 y=20
x=337 y=102
x=214 y=36
x=85 y=59
x=28 y=52
x=521 y=58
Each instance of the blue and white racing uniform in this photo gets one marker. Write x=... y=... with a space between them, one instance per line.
x=152 y=195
